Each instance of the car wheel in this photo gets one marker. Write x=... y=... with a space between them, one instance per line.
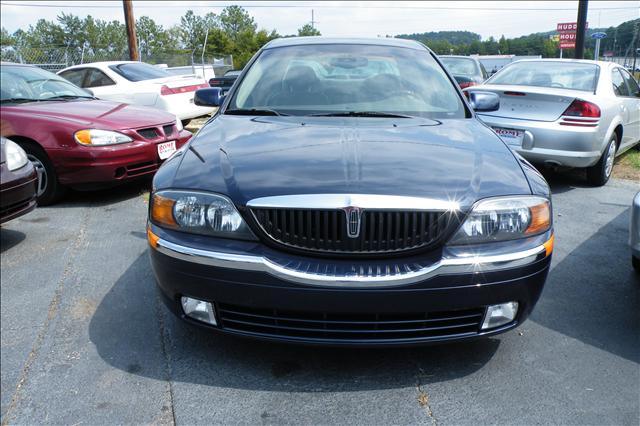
x=635 y=261
x=49 y=189
x=185 y=123
x=599 y=174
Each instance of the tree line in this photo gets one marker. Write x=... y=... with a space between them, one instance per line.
x=232 y=32
x=619 y=40
x=235 y=32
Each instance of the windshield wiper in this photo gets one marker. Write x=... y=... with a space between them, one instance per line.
x=63 y=97
x=18 y=100
x=361 y=114
x=255 y=111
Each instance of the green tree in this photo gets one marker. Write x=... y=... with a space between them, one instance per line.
x=503 y=46
x=308 y=30
x=235 y=20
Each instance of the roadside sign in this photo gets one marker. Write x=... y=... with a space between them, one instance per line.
x=567 y=37
x=568 y=45
x=598 y=36
x=568 y=27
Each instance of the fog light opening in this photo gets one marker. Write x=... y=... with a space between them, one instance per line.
x=498 y=315
x=198 y=310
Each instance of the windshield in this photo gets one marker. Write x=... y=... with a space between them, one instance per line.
x=139 y=71
x=343 y=78
x=460 y=66
x=24 y=84
x=563 y=75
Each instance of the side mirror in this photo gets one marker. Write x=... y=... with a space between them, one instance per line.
x=211 y=96
x=483 y=101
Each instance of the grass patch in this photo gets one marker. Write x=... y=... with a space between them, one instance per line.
x=628 y=165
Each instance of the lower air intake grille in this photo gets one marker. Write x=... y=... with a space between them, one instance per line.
x=349 y=327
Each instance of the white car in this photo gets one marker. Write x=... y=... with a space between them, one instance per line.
x=139 y=83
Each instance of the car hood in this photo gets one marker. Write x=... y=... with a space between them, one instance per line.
x=94 y=113
x=245 y=158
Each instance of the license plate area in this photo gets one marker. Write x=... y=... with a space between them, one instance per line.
x=165 y=149
x=512 y=137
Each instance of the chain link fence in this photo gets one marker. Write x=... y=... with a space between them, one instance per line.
x=55 y=58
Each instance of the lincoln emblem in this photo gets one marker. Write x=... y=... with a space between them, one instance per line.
x=353 y=215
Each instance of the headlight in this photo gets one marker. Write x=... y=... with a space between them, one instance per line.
x=504 y=218
x=199 y=213
x=95 y=137
x=16 y=157
x=179 y=125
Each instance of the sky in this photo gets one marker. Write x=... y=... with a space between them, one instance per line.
x=344 y=18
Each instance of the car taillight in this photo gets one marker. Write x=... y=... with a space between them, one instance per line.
x=466 y=84
x=213 y=82
x=580 y=108
x=581 y=113
x=165 y=90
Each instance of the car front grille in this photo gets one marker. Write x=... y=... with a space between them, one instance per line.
x=326 y=230
x=371 y=328
x=150 y=133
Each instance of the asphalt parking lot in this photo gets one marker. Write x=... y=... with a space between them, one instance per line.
x=85 y=339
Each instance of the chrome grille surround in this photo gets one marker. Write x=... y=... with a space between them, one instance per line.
x=356 y=224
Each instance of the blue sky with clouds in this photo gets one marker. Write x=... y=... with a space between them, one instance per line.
x=343 y=18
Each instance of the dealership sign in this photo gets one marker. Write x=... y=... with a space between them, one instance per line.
x=567 y=34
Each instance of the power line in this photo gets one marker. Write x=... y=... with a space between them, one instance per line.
x=315 y=6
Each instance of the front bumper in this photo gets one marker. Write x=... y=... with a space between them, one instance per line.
x=546 y=142
x=17 y=192
x=109 y=164
x=259 y=293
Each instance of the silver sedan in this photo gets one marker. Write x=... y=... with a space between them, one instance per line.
x=563 y=112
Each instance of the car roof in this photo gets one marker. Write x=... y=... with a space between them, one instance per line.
x=579 y=61
x=458 y=56
x=301 y=41
x=99 y=64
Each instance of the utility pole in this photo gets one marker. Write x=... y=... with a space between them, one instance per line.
x=313 y=22
x=582 y=28
x=130 y=23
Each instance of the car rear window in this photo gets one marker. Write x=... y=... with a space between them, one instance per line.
x=460 y=66
x=139 y=71
x=561 y=75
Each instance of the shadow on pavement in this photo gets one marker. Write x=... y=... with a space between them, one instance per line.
x=126 y=334
x=593 y=295
x=105 y=197
x=564 y=180
x=10 y=238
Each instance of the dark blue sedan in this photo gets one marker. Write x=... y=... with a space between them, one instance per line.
x=346 y=194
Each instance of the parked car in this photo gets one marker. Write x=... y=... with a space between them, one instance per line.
x=634 y=233
x=349 y=208
x=76 y=140
x=226 y=81
x=139 y=83
x=466 y=70
x=564 y=112
x=18 y=181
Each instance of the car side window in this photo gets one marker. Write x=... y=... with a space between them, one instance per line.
x=619 y=86
x=74 y=76
x=97 y=78
x=632 y=84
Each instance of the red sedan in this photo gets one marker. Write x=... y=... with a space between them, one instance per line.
x=75 y=140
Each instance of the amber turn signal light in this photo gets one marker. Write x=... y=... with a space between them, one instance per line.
x=152 y=238
x=540 y=218
x=548 y=245
x=162 y=211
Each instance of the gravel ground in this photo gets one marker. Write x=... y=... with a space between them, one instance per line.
x=84 y=338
